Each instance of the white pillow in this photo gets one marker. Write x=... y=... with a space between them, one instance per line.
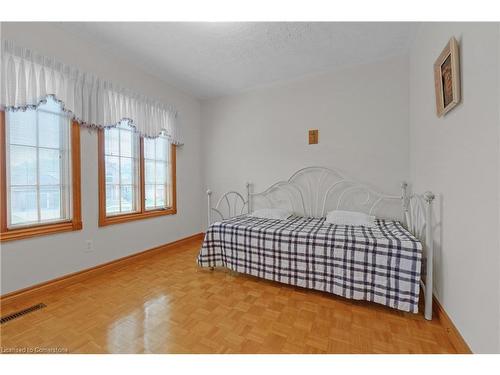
x=272 y=213
x=339 y=217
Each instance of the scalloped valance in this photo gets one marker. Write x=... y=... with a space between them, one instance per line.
x=29 y=77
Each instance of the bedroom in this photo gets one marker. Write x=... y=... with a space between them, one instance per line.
x=361 y=162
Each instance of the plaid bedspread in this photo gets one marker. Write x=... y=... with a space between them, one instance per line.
x=380 y=264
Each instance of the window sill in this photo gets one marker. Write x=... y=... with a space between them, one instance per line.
x=39 y=230
x=110 y=220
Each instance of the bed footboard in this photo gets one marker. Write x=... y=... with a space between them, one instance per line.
x=230 y=204
x=418 y=217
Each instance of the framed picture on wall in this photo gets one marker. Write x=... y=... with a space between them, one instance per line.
x=447 y=78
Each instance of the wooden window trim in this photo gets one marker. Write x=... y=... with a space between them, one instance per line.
x=142 y=214
x=75 y=223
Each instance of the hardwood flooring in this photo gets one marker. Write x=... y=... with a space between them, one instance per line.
x=166 y=304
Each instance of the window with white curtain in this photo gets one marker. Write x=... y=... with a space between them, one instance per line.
x=40 y=146
x=38 y=165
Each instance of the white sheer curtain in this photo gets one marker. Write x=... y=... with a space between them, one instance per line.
x=28 y=78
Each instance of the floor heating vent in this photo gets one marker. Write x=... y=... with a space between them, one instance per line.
x=20 y=313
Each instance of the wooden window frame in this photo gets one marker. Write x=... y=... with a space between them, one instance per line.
x=75 y=223
x=105 y=220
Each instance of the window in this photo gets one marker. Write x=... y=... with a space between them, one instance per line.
x=121 y=160
x=136 y=176
x=40 y=187
x=156 y=173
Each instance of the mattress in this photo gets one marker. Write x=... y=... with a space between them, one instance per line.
x=381 y=264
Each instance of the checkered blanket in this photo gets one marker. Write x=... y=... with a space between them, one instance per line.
x=380 y=264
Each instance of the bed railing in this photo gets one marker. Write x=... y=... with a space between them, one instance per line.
x=313 y=191
x=418 y=219
x=230 y=204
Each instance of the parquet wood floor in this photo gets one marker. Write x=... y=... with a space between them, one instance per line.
x=166 y=304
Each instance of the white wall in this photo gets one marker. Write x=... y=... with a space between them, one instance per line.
x=498 y=85
x=458 y=158
x=361 y=113
x=31 y=261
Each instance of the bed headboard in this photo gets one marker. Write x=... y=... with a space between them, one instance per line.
x=313 y=191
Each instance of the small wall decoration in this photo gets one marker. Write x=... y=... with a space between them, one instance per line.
x=447 y=78
x=313 y=136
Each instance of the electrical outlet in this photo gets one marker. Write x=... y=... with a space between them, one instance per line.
x=89 y=246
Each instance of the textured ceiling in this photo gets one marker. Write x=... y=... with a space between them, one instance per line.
x=209 y=59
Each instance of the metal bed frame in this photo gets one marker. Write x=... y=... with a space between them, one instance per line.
x=313 y=191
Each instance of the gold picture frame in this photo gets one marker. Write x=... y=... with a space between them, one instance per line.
x=447 y=78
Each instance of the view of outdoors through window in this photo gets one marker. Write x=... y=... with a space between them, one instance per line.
x=156 y=172
x=121 y=158
x=38 y=165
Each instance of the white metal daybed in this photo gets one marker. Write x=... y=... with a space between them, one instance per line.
x=387 y=264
